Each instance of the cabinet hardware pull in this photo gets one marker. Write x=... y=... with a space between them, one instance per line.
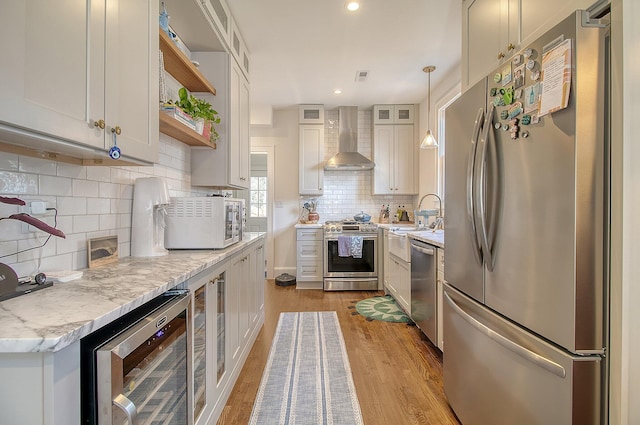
x=500 y=55
x=99 y=124
x=511 y=47
x=116 y=130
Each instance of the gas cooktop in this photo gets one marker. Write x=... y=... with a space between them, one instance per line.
x=349 y=226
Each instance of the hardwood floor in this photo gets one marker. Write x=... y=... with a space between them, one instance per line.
x=396 y=370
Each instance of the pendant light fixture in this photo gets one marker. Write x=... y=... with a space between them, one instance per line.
x=429 y=141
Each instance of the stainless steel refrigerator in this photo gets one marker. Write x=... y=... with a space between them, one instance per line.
x=527 y=211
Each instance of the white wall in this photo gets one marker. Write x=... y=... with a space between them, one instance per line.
x=91 y=202
x=430 y=159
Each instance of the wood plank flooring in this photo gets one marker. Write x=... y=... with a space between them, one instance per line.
x=396 y=370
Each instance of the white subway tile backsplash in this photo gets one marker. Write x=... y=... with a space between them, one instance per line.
x=109 y=190
x=32 y=249
x=18 y=183
x=108 y=221
x=37 y=166
x=86 y=223
x=72 y=171
x=101 y=174
x=50 y=185
x=98 y=206
x=85 y=188
x=72 y=243
x=68 y=205
x=9 y=161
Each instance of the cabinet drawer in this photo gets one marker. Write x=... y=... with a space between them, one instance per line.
x=309 y=234
x=310 y=250
x=309 y=271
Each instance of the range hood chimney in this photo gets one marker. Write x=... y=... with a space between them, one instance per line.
x=348 y=158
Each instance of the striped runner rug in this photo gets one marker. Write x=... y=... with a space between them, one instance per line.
x=307 y=379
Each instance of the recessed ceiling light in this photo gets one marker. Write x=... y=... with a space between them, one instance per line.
x=337 y=91
x=352 y=6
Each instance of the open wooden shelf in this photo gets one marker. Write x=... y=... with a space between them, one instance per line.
x=174 y=128
x=180 y=67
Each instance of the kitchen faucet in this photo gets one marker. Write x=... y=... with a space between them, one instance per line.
x=439 y=221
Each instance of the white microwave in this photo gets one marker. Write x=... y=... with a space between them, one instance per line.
x=203 y=222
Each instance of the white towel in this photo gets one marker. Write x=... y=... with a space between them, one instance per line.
x=344 y=246
x=356 y=246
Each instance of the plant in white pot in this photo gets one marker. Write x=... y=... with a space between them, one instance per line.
x=203 y=113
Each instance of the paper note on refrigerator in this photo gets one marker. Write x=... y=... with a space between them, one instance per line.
x=556 y=78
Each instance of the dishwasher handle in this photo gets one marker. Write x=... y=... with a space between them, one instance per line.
x=423 y=250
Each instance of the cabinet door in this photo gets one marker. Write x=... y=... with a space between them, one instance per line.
x=383 y=114
x=244 y=299
x=482 y=37
x=392 y=275
x=232 y=316
x=52 y=73
x=239 y=123
x=383 y=156
x=311 y=173
x=490 y=35
x=260 y=280
x=403 y=114
x=220 y=15
x=131 y=75
x=404 y=160
x=404 y=285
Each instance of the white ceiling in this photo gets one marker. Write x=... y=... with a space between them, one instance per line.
x=301 y=50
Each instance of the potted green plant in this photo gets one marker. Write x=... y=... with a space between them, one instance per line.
x=200 y=110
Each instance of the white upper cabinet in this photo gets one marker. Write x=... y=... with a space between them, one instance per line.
x=72 y=73
x=394 y=152
x=218 y=12
x=239 y=49
x=228 y=165
x=393 y=114
x=311 y=114
x=311 y=149
x=494 y=30
x=490 y=35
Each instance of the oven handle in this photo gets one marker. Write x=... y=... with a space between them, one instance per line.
x=364 y=238
x=127 y=406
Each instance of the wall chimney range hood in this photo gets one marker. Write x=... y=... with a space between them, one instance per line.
x=348 y=158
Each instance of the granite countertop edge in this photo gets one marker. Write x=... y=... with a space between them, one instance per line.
x=56 y=317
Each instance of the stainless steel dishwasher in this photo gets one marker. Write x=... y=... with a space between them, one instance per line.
x=423 y=288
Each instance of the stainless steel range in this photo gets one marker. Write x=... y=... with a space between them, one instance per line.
x=350 y=256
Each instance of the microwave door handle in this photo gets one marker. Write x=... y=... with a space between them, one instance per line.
x=127 y=406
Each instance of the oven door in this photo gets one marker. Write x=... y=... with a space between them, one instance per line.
x=337 y=266
x=143 y=375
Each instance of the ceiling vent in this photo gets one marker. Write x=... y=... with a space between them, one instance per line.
x=361 y=76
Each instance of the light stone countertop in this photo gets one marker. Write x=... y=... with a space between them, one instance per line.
x=55 y=317
x=429 y=236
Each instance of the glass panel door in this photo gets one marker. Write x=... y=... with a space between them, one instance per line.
x=154 y=376
x=199 y=350
x=220 y=334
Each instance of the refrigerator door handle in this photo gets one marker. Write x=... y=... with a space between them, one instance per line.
x=480 y=182
x=521 y=351
x=477 y=244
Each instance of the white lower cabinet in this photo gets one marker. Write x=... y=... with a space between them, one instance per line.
x=399 y=282
x=52 y=379
x=309 y=260
x=440 y=296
